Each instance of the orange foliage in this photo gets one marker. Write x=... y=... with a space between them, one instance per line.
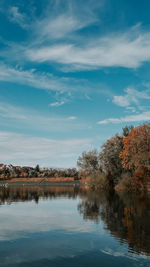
x=51 y=179
x=59 y=179
x=142 y=176
x=24 y=180
x=136 y=151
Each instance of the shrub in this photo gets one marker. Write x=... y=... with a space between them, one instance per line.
x=127 y=183
x=98 y=182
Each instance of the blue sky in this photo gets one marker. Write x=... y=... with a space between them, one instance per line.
x=72 y=74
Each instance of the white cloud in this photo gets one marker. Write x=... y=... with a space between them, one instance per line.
x=127 y=50
x=67 y=86
x=72 y=118
x=131 y=96
x=64 y=19
x=40 y=80
x=57 y=104
x=145 y=116
x=24 y=149
x=76 y=51
x=11 y=112
x=60 y=26
x=133 y=109
x=17 y=17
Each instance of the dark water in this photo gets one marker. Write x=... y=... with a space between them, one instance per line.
x=43 y=226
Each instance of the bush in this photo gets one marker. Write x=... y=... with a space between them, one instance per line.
x=127 y=184
x=98 y=182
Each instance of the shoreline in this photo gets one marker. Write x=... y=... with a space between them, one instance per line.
x=42 y=182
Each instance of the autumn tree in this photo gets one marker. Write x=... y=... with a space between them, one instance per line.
x=136 y=154
x=136 y=148
x=109 y=156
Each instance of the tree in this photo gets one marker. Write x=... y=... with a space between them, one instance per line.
x=126 y=130
x=89 y=162
x=37 y=168
x=136 y=149
x=109 y=158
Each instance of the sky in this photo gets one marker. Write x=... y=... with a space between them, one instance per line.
x=72 y=75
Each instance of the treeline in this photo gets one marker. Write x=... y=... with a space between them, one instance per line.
x=10 y=171
x=123 y=162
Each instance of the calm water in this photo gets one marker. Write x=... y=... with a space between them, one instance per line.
x=42 y=226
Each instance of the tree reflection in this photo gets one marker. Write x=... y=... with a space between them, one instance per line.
x=28 y=193
x=126 y=217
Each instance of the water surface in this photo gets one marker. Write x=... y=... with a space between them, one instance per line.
x=57 y=226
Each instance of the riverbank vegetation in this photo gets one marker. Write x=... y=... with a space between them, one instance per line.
x=9 y=171
x=123 y=162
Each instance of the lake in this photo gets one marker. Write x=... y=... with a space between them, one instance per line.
x=69 y=226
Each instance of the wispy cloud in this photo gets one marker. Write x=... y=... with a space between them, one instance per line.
x=131 y=96
x=25 y=149
x=59 y=26
x=36 y=79
x=17 y=17
x=57 y=104
x=17 y=117
x=58 y=39
x=62 y=19
x=127 y=50
x=145 y=116
x=66 y=88
x=11 y=112
x=72 y=118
